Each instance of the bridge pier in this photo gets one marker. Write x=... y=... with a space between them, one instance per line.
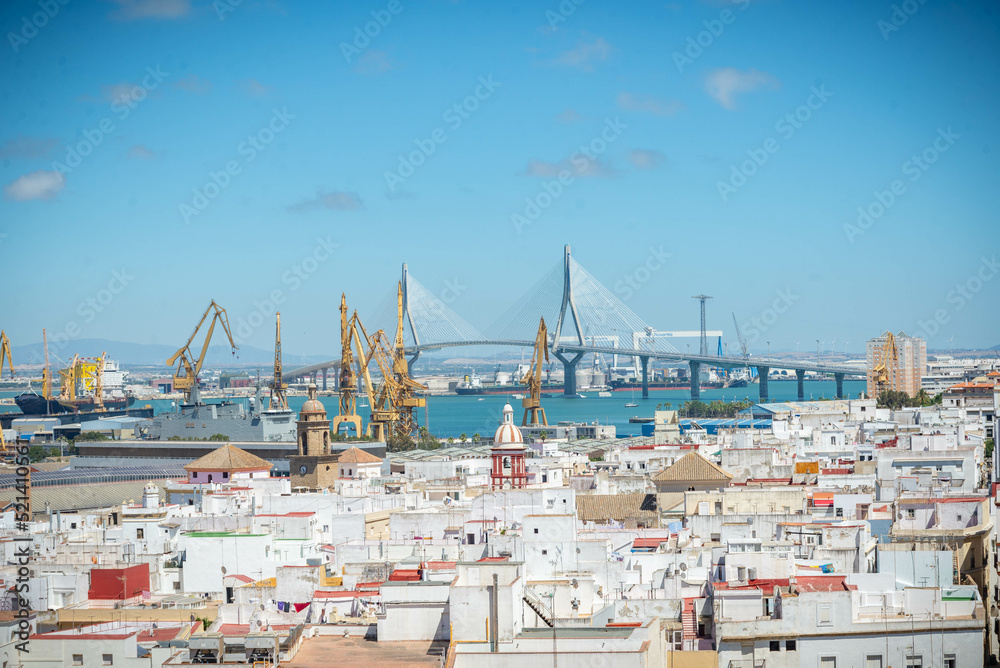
x=324 y=380
x=410 y=362
x=800 y=376
x=569 y=373
x=695 y=380
x=645 y=377
x=839 y=377
x=762 y=372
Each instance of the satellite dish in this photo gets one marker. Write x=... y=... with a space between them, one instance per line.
x=447 y=500
x=262 y=607
x=749 y=521
x=259 y=623
x=223 y=570
x=682 y=566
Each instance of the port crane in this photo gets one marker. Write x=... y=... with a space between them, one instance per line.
x=395 y=400
x=348 y=413
x=743 y=347
x=5 y=355
x=884 y=373
x=279 y=400
x=188 y=366
x=533 y=412
x=83 y=376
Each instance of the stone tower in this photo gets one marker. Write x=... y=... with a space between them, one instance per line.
x=313 y=428
x=313 y=467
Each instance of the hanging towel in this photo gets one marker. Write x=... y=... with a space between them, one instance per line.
x=299 y=607
x=282 y=606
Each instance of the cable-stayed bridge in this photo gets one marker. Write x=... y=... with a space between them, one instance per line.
x=588 y=318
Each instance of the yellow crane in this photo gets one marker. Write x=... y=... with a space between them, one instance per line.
x=5 y=354
x=279 y=400
x=188 y=366
x=884 y=373
x=84 y=377
x=348 y=413
x=533 y=379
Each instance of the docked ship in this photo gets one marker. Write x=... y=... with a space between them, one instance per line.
x=87 y=385
x=739 y=378
x=236 y=420
x=470 y=385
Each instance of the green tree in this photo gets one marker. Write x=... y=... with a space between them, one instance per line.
x=91 y=436
x=218 y=437
x=988 y=447
x=400 y=443
x=463 y=438
x=893 y=399
x=476 y=437
x=451 y=441
x=544 y=435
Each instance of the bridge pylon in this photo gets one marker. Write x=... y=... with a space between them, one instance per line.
x=569 y=364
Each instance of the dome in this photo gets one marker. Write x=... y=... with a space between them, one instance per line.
x=313 y=405
x=507 y=433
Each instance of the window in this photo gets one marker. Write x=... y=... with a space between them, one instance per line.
x=775 y=646
x=840 y=512
x=959 y=518
x=545 y=552
x=873 y=661
x=824 y=614
x=911 y=514
x=78 y=659
x=718 y=507
x=225 y=474
x=536 y=529
x=139 y=533
x=914 y=661
x=107 y=660
x=828 y=662
x=789 y=645
x=950 y=661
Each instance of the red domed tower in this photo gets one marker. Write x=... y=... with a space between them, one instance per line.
x=508 y=471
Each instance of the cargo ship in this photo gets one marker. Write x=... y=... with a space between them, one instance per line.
x=79 y=385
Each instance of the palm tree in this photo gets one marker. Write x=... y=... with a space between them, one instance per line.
x=463 y=438
x=544 y=435
x=451 y=441
x=922 y=398
x=476 y=437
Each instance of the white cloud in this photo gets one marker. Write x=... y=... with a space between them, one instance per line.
x=374 y=62
x=36 y=185
x=28 y=147
x=585 y=54
x=194 y=84
x=725 y=83
x=141 y=152
x=643 y=158
x=334 y=201
x=131 y=10
x=649 y=105
x=254 y=88
x=569 y=116
x=578 y=165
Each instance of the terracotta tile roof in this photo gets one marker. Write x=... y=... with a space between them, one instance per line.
x=229 y=458
x=692 y=466
x=617 y=507
x=355 y=455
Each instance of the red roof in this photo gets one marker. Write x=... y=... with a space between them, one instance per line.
x=649 y=542
x=243 y=629
x=339 y=594
x=405 y=575
x=836 y=471
x=821 y=583
x=492 y=559
x=438 y=565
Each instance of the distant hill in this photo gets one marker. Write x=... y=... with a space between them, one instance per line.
x=153 y=354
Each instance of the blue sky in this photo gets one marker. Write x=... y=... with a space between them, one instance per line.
x=165 y=95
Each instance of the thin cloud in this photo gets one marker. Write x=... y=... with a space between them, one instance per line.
x=649 y=105
x=724 y=84
x=194 y=84
x=644 y=158
x=332 y=201
x=585 y=55
x=577 y=164
x=141 y=152
x=374 y=62
x=133 y=10
x=254 y=88
x=24 y=147
x=40 y=185
x=569 y=116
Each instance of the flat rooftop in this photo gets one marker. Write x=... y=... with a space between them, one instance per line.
x=340 y=652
